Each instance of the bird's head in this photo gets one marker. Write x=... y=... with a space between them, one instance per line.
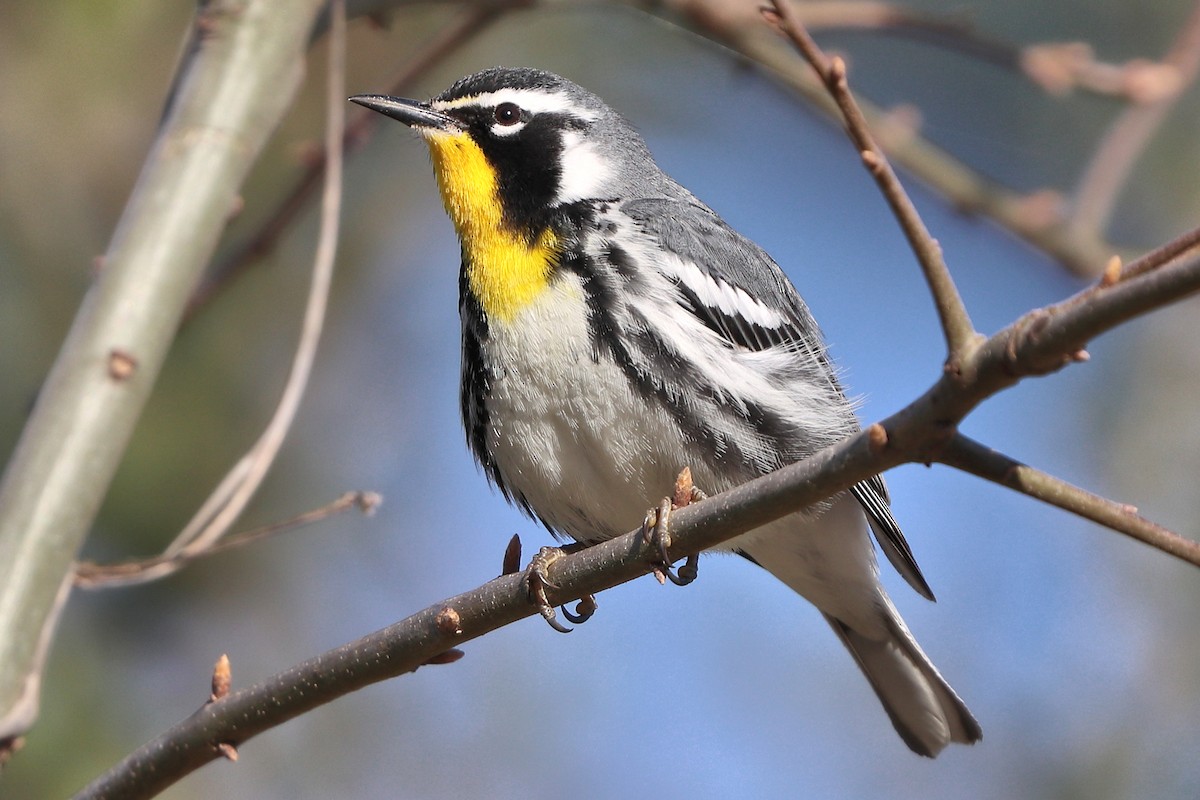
x=511 y=146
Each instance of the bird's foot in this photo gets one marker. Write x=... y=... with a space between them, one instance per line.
x=536 y=583
x=656 y=529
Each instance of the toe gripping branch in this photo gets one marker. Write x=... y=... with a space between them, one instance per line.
x=536 y=583
x=656 y=529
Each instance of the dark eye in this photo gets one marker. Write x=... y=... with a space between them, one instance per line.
x=507 y=113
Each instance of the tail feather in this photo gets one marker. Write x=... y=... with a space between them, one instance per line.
x=924 y=709
x=830 y=561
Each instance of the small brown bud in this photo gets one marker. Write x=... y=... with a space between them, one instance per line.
x=877 y=438
x=683 y=488
x=448 y=621
x=222 y=678
x=837 y=70
x=1112 y=272
x=368 y=502
x=121 y=365
x=448 y=657
x=512 y=556
x=236 y=208
x=872 y=161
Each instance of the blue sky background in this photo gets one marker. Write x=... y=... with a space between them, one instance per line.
x=1074 y=647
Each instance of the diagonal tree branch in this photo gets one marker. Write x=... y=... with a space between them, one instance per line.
x=89 y=575
x=970 y=456
x=924 y=431
x=1161 y=255
x=960 y=334
x=237 y=87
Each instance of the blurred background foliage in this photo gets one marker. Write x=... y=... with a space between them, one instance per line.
x=1075 y=648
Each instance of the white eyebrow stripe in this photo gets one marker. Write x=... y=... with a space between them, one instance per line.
x=536 y=100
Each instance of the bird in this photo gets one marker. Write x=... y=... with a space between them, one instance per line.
x=615 y=329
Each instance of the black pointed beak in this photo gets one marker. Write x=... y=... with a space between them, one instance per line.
x=412 y=113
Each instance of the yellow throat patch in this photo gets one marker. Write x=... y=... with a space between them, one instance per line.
x=505 y=270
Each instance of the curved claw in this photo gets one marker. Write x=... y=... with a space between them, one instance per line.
x=584 y=610
x=687 y=573
x=547 y=613
x=656 y=531
x=536 y=583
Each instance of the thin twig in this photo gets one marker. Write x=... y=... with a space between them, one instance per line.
x=235 y=491
x=954 y=33
x=1127 y=138
x=970 y=456
x=1148 y=284
x=362 y=123
x=1037 y=219
x=1163 y=254
x=89 y=575
x=959 y=333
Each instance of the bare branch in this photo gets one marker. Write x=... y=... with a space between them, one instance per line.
x=1150 y=286
x=970 y=456
x=1048 y=339
x=924 y=431
x=960 y=334
x=89 y=575
x=1162 y=255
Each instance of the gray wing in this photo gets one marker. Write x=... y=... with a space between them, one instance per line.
x=872 y=495
x=694 y=232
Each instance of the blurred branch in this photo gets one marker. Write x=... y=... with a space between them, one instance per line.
x=1161 y=255
x=229 y=499
x=956 y=322
x=239 y=83
x=1037 y=218
x=970 y=456
x=469 y=23
x=1159 y=86
x=89 y=575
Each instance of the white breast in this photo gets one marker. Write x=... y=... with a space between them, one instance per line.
x=567 y=430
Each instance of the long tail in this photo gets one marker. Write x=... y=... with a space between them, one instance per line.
x=925 y=711
x=830 y=561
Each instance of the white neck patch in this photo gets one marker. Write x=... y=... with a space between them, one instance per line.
x=584 y=171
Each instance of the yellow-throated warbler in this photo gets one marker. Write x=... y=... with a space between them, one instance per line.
x=615 y=329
